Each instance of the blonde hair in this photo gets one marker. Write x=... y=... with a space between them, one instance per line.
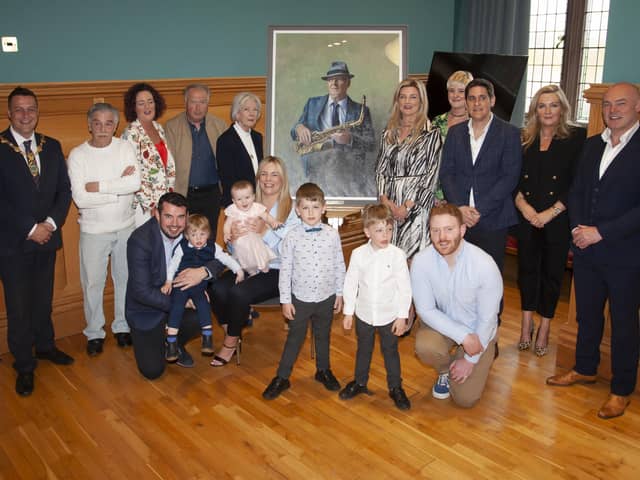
x=532 y=127
x=284 y=198
x=374 y=213
x=195 y=221
x=421 y=122
x=459 y=76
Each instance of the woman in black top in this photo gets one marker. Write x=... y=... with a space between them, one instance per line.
x=551 y=149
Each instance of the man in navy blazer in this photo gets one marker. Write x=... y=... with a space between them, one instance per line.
x=342 y=157
x=35 y=194
x=149 y=251
x=604 y=214
x=480 y=169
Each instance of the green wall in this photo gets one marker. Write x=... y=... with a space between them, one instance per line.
x=78 y=40
x=621 y=61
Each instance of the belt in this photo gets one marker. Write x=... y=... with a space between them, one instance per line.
x=203 y=188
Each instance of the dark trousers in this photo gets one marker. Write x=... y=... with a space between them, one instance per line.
x=27 y=279
x=230 y=301
x=321 y=315
x=493 y=242
x=542 y=257
x=389 y=347
x=206 y=203
x=595 y=284
x=149 y=348
x=180 y=297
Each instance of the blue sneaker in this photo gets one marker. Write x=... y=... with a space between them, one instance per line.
x=440 y=389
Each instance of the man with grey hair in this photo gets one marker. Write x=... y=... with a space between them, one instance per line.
x=192 y=137
x=104 y=176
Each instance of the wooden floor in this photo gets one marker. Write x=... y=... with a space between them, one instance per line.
x=100 y=419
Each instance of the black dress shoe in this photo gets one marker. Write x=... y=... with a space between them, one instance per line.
x=24 y=384
x=352 y=389
x=326 y=378
x=123 y=339
x=275 y=388
x=171 y=354
x=400 y=398
x=94 y=347
x=56 y=356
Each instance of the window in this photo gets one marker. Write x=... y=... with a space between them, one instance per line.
x=567 y=40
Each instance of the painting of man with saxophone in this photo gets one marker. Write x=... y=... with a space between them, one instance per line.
x=334 y=135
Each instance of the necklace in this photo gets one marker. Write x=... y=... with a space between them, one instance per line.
x=458 y=116
x=16 y=148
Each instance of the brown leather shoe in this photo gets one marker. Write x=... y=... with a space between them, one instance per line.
x=613 y=407
x=570 y=378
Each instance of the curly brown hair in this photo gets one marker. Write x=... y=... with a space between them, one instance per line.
x=130 y=100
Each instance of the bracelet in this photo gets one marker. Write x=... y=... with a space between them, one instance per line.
x=556 y=211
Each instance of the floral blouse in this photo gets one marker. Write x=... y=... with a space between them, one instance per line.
x=155 y=178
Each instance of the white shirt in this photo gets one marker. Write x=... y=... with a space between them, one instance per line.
x=328 y=112
x=476 y=145
x=110 y=209
x=610 y=152
x=248 y=145
x=377 y=285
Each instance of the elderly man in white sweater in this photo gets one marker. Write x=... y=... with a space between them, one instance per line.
x=104 y=176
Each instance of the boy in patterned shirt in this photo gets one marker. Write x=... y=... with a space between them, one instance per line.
x=311 y=280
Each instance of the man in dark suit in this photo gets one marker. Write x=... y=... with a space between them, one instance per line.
x=35 y=195
x=480 y=169
x=239 y=148
x=341 y=157
x=604 y=214
x=149 y=251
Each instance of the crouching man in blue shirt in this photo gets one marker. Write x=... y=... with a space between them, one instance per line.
x=457 y=289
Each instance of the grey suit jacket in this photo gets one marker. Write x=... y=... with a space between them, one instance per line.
x=180 y=144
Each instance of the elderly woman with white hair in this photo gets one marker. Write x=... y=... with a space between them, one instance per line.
x=239 y=148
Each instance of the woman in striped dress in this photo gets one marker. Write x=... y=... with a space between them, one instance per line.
x=408 y=166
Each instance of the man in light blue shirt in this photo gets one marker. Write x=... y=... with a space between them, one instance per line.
x=457 y=289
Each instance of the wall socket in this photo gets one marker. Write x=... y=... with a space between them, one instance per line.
x=9 y=44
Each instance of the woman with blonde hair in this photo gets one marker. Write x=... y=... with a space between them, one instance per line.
x=230 y=301
x=408 y=165
x=456 y=84
x=551 y=149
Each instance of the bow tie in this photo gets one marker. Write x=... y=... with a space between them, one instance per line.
x=314 y=229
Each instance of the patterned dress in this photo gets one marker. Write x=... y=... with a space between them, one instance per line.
x=409 y=171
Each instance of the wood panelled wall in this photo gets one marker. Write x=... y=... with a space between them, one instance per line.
x=565 y=357
x=63 y=108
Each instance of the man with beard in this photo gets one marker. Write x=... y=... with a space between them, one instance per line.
x=149 y=251
x=457 y=289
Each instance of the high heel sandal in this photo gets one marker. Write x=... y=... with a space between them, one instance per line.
x=541 y=351
x=237 y=350
x=522 y=346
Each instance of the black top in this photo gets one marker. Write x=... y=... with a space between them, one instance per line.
x=546 y=176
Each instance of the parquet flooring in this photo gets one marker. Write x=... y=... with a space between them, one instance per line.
x=100 y=419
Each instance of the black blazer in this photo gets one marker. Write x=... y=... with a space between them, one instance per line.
x=546 y=176
x=145 y=304
x=23 y=204
x=612 y=204
x=494 y=176
x=234 y=163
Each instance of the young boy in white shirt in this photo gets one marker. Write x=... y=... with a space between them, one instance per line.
x=310 y=284
x=377 y=288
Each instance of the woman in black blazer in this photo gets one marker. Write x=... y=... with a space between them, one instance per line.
x=239 y=148
x=551 y=149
